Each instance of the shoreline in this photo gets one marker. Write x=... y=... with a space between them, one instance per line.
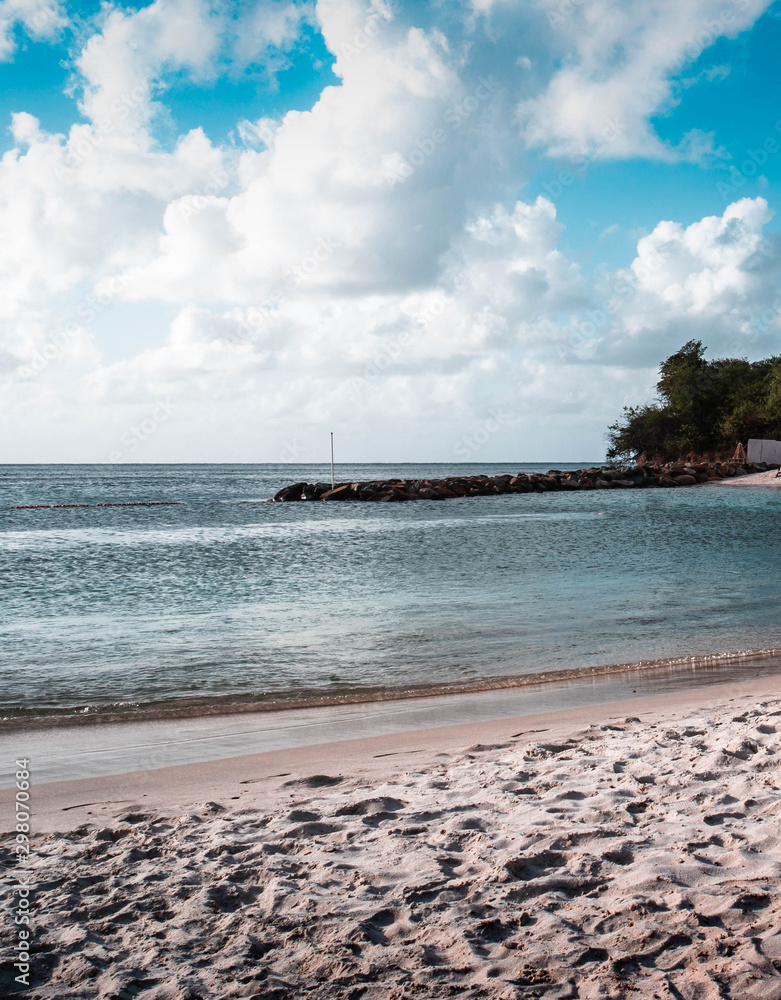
x=179 y=786
x=229 y=705
x=84 y=753
x=769 y=478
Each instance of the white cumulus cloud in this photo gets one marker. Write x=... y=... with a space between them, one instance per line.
x=370 y=261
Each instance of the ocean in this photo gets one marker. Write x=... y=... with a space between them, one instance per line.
x=222 y=595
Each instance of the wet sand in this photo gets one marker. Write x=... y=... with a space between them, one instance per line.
x=98 y=748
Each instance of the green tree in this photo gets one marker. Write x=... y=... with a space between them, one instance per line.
x=703 y=407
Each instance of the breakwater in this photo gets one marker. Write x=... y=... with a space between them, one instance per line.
x=605 y=477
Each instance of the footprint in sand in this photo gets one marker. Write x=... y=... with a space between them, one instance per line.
x=307 y=830
x=535 y=865
x=385 y=805
x=374 y=929
x=314 y=781
x=620 y=856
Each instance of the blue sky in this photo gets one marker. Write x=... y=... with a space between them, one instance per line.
x=40 y=79
x=259 y=212
x=741 y=108
x=731 y=90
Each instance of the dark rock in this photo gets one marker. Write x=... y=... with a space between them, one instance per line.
x=458 y=489
x=294 y=492
x=341 y=492
x=673 y=474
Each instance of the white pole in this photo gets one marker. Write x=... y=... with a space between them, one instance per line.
x=333 y=481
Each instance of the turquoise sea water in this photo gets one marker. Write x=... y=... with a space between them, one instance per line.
x=225 y=594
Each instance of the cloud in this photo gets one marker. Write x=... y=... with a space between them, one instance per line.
x=368 y=260
x=42 y=20
x=509 y=326
x=130 y=61
x=273 y=26
x=714 y=280
x=25 y=129
x=121 y=64
x=620 y=70
x=386 y=190
x=700 y=147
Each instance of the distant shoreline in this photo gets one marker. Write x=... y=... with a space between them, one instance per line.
x=757 y=479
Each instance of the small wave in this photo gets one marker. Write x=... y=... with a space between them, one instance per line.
x=319 y=698
x=77 y=537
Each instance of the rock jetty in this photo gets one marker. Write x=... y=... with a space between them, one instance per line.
x=604 y=477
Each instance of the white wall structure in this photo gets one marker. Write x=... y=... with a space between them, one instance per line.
x=764 y=451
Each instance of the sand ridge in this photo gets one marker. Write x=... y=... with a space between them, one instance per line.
x=625 y=859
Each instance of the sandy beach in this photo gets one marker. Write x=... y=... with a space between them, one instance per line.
x=614 y=851
x=769 y=478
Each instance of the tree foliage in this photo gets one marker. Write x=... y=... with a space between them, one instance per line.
x=704 y=407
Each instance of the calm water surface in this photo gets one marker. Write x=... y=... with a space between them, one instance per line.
x=225 y=594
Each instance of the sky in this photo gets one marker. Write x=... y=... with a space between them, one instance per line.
x=462 y=230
